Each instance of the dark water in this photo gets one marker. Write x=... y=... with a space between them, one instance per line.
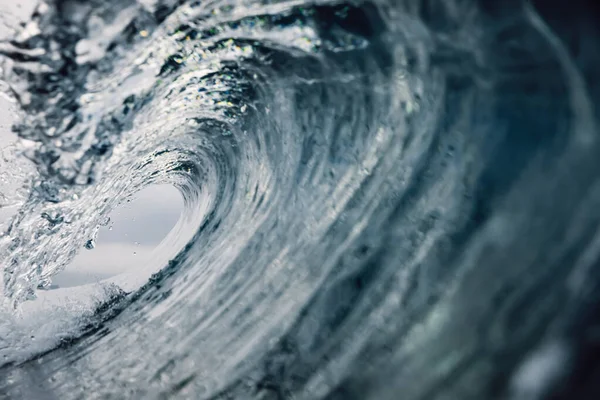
x=383 y=200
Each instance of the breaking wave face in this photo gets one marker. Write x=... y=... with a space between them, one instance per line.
x=382 y=200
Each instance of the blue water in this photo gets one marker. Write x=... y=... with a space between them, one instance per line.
x=381 y=200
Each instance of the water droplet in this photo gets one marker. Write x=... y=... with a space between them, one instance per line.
x=90 y=244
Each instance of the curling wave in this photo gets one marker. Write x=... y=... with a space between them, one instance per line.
x=383 y=199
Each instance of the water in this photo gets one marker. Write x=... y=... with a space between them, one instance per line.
x=381 y=200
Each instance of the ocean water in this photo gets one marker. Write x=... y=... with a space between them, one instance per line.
x=380 y=199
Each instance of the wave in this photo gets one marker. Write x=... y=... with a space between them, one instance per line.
x=381 y=199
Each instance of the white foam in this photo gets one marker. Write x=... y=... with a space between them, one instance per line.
x=41 y=324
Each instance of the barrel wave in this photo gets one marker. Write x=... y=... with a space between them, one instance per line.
x=382 y=200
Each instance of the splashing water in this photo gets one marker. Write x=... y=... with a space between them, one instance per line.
x=382 y=199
